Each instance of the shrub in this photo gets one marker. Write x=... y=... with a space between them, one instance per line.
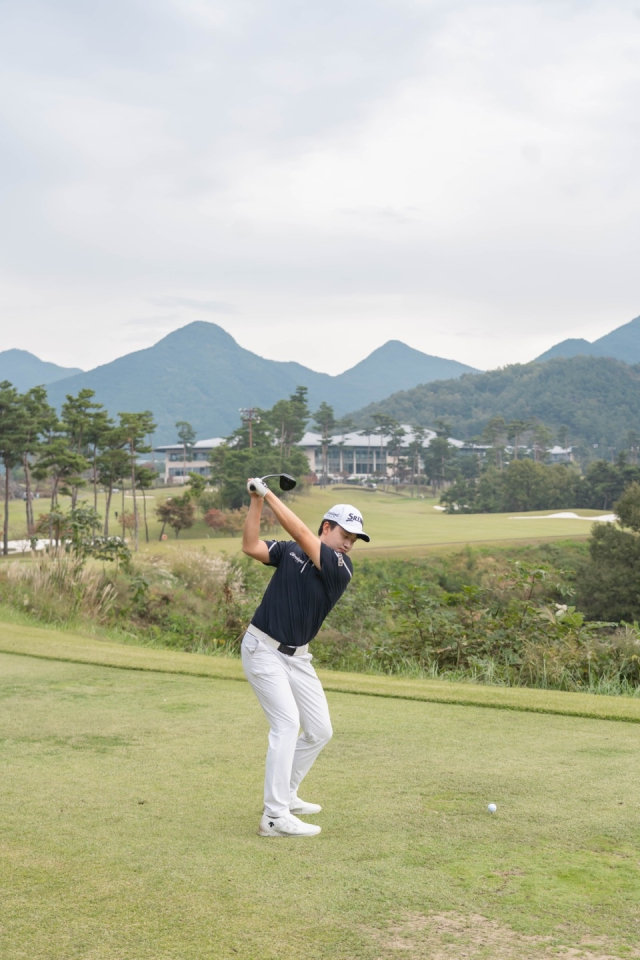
x=230 y=523
x=177 y=512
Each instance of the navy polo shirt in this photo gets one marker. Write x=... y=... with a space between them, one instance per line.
x=300 y=596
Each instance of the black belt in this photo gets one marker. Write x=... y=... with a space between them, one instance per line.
x=280 y=647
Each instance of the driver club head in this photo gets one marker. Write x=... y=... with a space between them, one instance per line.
x=286 y=482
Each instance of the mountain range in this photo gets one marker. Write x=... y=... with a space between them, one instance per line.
x=200 y=374
x=623 y=343
x=24 y=370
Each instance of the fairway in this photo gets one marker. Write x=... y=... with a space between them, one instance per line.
x=398 y=525
x=130 y=802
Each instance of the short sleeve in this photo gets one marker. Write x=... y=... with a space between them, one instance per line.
x=276 y=549
x=336 y=571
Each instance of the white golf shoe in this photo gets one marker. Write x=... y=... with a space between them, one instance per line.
x=301 y=808
x=287 y=826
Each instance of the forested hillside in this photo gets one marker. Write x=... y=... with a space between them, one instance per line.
x=596 y=399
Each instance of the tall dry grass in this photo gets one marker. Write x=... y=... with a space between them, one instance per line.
x=58 y=589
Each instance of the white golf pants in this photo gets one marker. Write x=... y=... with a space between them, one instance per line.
x=292 y=697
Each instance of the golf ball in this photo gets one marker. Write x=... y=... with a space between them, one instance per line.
x=492 y=808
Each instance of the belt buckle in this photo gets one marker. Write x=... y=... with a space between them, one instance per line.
x=289 y=651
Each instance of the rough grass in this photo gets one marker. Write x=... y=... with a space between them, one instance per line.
x=130 y=802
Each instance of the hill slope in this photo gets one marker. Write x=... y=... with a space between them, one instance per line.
x=200 y=374
x=623 y=343
x=24 y=370
x=596 y=398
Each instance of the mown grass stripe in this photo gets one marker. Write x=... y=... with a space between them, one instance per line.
x=68 y=647
x=489 y=705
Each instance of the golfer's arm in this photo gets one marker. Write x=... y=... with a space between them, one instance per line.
x=296 y=529
x=252 y=545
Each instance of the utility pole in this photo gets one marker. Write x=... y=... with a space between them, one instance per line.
x=249 y=415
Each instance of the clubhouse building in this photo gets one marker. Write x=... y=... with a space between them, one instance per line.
x=353 y=457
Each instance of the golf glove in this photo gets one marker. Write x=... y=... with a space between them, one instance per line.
x=256 y=485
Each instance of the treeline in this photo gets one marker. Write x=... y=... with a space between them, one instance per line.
x=525 y=484
x=80 y=446
x=595 y=401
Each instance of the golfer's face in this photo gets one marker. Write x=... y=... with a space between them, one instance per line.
x=339 y=540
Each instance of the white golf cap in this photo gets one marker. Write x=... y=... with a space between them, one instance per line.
x=349 y=518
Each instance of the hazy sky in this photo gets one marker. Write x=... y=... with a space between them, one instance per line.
x=318 y=178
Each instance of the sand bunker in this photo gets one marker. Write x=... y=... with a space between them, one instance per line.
x=568 y=515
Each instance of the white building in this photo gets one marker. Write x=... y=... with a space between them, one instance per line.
x=177 y=469
x=356 y=456
x=560 y=455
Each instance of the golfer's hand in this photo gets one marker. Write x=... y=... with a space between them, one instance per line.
x=257 y=487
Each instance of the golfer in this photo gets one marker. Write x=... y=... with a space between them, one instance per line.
x=312 y=573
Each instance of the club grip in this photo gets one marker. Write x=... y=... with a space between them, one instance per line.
x=252 y=487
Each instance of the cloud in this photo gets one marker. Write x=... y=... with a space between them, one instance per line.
x=384 y=214
x=156 y=321
x=208 y=306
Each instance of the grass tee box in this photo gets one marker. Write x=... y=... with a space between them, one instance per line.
x=129 y=808
x=73 y=647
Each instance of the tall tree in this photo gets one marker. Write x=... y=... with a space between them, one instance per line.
x=77 y=417
x=37 y=418
x=231 y=466
x=235 y=460
x=562 y=436
x=145 y=479
x=367 y=432
x=542 y=439
x=515 y=432
x=57 y=460
x=395 y=448
x=442 y=428
x=494 y=434
x=437 y=460
x=112 y=466
x=324 y=421
x=98 y=430
x=11 y=445
x=187 y=437
x=605 y=482
x=416 y=452
x=287 y=421
x=136 y=427
x=384 y=425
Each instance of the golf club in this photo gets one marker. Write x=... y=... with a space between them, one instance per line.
x=286 y=482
